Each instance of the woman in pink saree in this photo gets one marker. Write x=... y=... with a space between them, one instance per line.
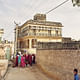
x=23 y=61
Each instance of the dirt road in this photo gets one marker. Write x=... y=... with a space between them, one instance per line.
x=29 y=73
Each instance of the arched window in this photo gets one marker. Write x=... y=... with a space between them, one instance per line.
x=34 y=42
x=56 y=32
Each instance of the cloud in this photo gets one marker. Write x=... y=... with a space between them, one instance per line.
x=23 y=10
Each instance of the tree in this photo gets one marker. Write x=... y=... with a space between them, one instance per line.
x=76 y=2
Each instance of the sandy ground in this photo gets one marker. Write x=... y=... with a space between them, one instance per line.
x=29 y=73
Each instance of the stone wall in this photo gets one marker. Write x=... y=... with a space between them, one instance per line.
x=3 y=67
x=59 y=64
x=2 y=53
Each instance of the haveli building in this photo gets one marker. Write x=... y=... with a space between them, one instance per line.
x=6 y=47
x=36 y=30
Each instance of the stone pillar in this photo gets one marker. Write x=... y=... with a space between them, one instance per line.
x=27 y=43
x=16 y=38
x=30 y=43
x=18 y=45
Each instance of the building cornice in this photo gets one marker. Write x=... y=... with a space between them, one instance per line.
x=46 y=23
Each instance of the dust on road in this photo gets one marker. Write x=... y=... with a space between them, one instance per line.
x=29 y=73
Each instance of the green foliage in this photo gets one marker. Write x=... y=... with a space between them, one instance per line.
x=76 y=2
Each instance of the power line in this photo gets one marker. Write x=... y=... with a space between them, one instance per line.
x=56 y=7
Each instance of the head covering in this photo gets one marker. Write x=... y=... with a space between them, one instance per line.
x=20 y=52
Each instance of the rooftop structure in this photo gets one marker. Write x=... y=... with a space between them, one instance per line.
x=37 y=30
x=1 y=33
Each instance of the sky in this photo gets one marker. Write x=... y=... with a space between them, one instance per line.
x=23 y=10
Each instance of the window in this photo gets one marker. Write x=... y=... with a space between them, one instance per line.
x=56 y=32
x=34 y=42
x=49 y=32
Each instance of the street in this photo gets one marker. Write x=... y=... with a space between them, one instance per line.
x=29 y=73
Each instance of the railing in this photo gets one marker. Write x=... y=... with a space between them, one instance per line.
x=40 y=34
x=44 y=28
x=59 y=45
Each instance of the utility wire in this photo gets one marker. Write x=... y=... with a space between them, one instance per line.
x=49 y=11
x=56 y=7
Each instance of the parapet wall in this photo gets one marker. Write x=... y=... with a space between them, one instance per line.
x=59 y=64
x=3 y=67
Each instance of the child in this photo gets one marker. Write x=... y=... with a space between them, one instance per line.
x=76 y=77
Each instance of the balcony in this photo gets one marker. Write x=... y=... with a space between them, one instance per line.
x=40 y=34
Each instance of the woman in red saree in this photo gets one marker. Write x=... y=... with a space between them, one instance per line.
x=26 y=59
x=16 y=60
x=30 y=60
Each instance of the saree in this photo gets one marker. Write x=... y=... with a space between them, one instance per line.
x=19 y=59
x=23 y=61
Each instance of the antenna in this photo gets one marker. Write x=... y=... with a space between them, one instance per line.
x=16 y=23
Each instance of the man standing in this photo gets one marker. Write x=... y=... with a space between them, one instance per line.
x=76 y=77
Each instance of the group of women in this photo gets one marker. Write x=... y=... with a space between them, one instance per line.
x=23 y=60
